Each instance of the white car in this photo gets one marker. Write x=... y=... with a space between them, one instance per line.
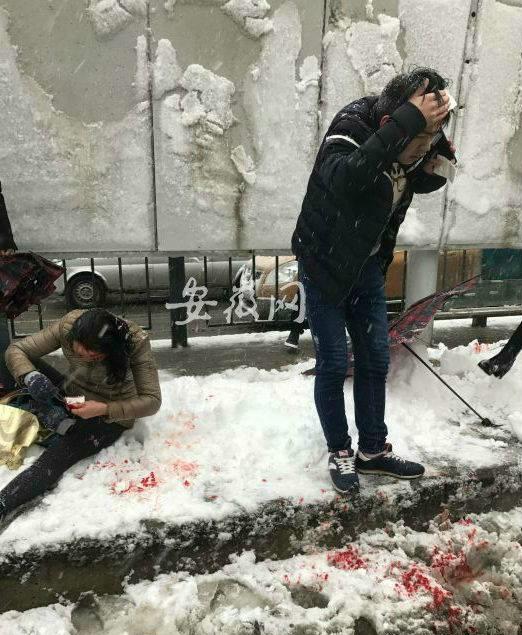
x=84 y=289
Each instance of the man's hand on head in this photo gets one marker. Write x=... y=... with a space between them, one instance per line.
x=434 y=112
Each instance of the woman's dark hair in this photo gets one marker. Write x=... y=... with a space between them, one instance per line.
x=398 y=90
x=102 y=332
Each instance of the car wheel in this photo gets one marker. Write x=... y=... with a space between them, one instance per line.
x=85 y=291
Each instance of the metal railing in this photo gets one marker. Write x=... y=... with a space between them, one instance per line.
x=222 y=277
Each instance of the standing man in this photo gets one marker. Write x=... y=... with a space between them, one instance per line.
x=377 y=152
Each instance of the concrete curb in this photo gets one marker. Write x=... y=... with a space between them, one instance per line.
x=276 y=531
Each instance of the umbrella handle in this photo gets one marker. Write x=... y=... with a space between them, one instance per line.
x=485 y=421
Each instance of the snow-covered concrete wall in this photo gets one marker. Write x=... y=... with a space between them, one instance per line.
x=486 y=198
x=185 y=125
x=75 y=136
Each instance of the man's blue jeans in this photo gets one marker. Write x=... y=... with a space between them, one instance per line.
x=364 y=315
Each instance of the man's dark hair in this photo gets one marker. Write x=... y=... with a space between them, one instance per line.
x=398 y=90
x=102 y=332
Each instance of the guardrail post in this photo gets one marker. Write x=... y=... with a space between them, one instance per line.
x=176 y=285
x=6 y=381
x=421 y=280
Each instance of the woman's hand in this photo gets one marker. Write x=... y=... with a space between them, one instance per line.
x=89 y=409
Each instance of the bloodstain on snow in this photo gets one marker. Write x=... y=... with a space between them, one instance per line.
x=465 y=521
x=184 y=468
x=135 y=487
x=98 y=465
x=451 y=566
x=416 y=579
x=186 y=483
x=184 y=420
x=348 y=560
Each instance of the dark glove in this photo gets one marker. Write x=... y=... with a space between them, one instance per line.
x=56 y=418
x=500 y=364
x=40 y=387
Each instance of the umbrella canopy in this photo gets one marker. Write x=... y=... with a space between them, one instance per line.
x=25 y=279
x=404 y=328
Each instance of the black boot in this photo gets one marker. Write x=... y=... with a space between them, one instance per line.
x=292 y=341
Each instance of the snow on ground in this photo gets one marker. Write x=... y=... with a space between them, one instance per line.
x=227 y=442
x=463 y=577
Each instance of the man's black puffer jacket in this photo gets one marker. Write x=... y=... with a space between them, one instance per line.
x=347 y=209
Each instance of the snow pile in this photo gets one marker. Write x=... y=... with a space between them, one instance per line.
x=250 y=14
x=244 y=164
x=167 y=71
x=458 y=577
x=110 y=16
x=209 y=96
x=174 y=466
x=414 y=231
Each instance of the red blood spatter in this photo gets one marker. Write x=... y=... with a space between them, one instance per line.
x=348 y=559
x=454 y=615
x=185 y=468
x=416 y=580
x=149 y=481
x=134 y=487
x=323 y=577
x=186 y=483
x=451 y=566
x=465 y=521
x=98 y=465
x=289 y=582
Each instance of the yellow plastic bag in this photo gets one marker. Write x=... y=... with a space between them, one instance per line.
x=18 y=430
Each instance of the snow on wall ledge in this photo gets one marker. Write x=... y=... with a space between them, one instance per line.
x=486 y=198
x=234 y=142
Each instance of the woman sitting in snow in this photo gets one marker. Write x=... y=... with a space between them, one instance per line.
x=110 y=365
x=501 y=363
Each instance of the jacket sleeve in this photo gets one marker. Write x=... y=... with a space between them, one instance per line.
x=19 y=354
x=345 y=166
x=148 y=400
x=6 y=235
x=424 y=183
